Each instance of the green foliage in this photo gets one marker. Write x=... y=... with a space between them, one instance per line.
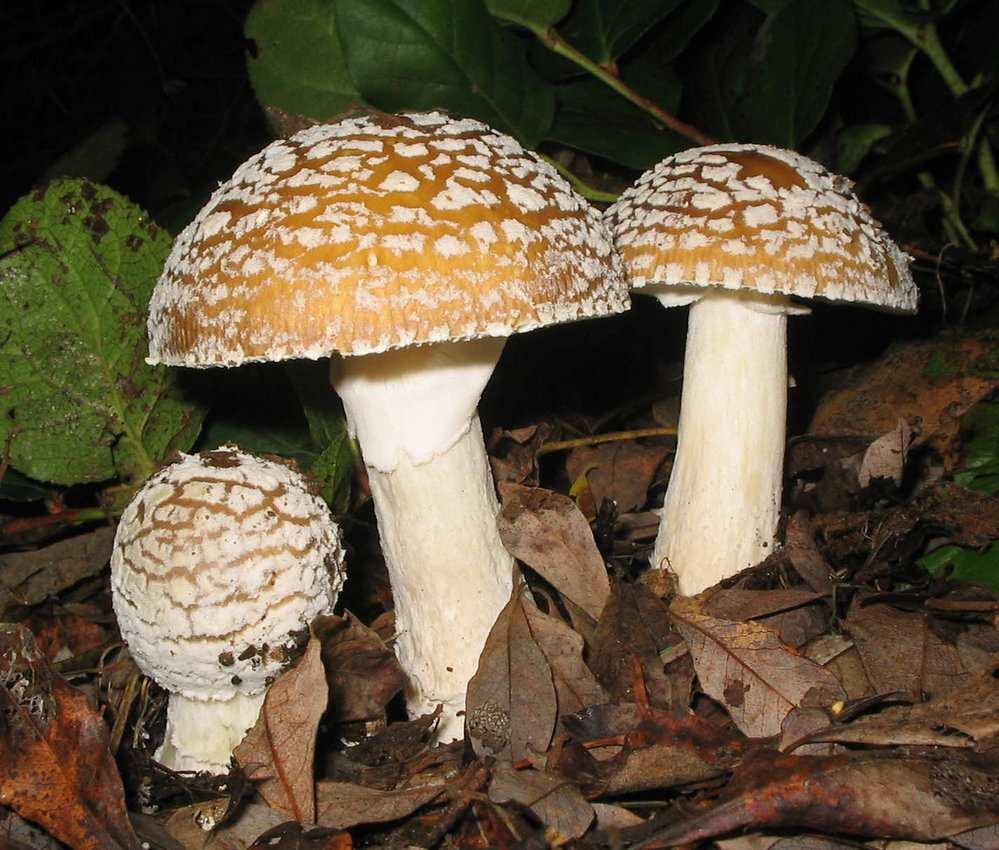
x=539 y=14
x=297 y=64
x=446 y=54
x=965 y=564
x=769 y=78
x=981 y=449
x=606 y=29
x=79 y=402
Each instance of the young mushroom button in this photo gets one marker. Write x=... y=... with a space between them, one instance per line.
x=220 y=563
x=409 y=247
x=734 y=230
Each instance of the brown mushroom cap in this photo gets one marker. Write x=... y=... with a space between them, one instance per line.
x=380 y=232
x=757 y=218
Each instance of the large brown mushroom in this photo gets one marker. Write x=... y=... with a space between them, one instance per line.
x=740 y=232
x=409 y=247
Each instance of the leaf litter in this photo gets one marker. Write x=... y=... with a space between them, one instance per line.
x=834 y=694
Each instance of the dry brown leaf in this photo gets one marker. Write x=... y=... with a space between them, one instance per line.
x=511 y=702
x=361 y=670
x=27 y=578
x=737 y=604
x=196 y=826
x=622 y=471
x=548 y=532
x=614 y=817
x=636 y=625
x=341 y=805
x=930 y=383
x=745 y=667
x=555 y=801
x=901 y=651
x=57 y=768
x=840 y=657
x=804 y=555
x=277 y=754
x=885 y=457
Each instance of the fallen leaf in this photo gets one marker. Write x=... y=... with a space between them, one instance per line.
x=636 y=625
x=555 y=801
x=341 y=805
x=738 y=604
x=745 y=667
x=277 y=753
x=797 y=626
x=511 y=702
x=361 y=670
x=513 y=454
x=27 y=578
x=196 y=826
x=614 y=817
x=63 y=636
x=867 y=794
x=885 y=457
x=548 y=532
x=804 y=555
x=58 y=770
x=622 y=471
x=901 y=651
x=840 y=657
x=932 y=383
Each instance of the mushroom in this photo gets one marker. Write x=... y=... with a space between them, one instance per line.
x=409 y=247
x=220 y=563
x=735 y=230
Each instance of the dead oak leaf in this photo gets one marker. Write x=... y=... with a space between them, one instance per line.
x=549 y=533
x=745 y=667
x=57 y=768
x=557 y=802
x=278 y=752
x=341 y=805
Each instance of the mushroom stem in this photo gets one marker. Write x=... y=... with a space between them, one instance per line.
x=723 y=500
x=450 y=574
x=201 y=734
x=413 y=412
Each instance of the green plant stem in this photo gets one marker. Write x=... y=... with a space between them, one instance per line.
x=589 y=192
x=554 y=42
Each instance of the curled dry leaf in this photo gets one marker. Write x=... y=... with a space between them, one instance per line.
x=737 y=604
x=804 y=555
x=745 y=667
x=636 y=625
x=196 y=827
x=621 y=471
x=901 y=651
x=57 y=768
x=511 y=702
x=341 y=805
x=362 y=671
x=548 y=532
x=555 y=801
x=865 y=794
x=27 y=578
x=278 y=752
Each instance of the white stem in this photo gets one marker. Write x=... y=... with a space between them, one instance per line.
x=450 y=574
x=201 y=734
x=723 y=500
x=413 y=412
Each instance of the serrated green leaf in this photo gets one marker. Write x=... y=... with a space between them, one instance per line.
x=444 y=54
x=79 y=402
x=965 y=564
x=297 y=64
x=769 y=79
x=532 y=14
x=605 y=29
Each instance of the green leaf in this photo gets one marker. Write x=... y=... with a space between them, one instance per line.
x=289 y=440
x=606 y=29
x=892 y=14
x=334 y=467
x=769 y=80
x=19 y=488
x=444 y=54
x=979 y=567
x=981 y=449
x=854 y=143
x=78 y=402
x=540 y=14
x=297 y=64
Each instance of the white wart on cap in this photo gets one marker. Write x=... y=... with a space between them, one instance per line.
x=220 y=563
x=375 y=233
x=736 y=231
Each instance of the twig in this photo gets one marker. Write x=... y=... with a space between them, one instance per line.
x=597 y=439
x=554 y=42
x=77 y=516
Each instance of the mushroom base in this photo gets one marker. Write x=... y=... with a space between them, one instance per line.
x=201 y=734
x=723 y=500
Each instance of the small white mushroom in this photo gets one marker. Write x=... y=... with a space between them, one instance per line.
x=220 y=563
x=734 y=230
x=409 y=247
